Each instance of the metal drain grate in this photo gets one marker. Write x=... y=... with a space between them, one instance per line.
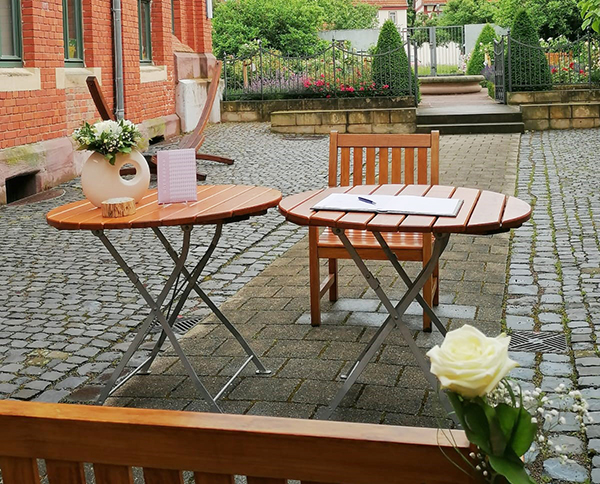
x=545 y=342
x=182 y=326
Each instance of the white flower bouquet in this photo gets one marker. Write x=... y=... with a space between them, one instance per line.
x=497 y=417
x=110 y=138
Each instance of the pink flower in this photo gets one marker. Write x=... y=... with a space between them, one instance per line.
x=554 y=70
x=322 y=76
x=307 y=83
x=350 y=89
x=571 y=65
x=361 y=88
x=328 y=95
x=581 y=71
x=385 y=86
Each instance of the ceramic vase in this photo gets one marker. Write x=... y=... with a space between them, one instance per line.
x=100 y=180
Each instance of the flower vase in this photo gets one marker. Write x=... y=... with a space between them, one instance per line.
x=100 y=180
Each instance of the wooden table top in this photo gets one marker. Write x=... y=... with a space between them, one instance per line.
x=215 y=204
x=483 y=212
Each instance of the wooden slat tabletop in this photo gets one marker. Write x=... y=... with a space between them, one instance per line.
x=215 y=204
x=482 y=212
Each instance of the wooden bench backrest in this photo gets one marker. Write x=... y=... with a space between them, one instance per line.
x=191 y=140
x=377 y=159
x=216 y=447
x=99 y=100
x=195 y=138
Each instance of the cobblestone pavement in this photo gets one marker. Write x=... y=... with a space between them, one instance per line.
x=271 y=310
x=554 y=279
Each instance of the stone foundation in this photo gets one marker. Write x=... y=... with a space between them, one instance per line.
x=244 y=111
x=403 y=120
x=539 y=117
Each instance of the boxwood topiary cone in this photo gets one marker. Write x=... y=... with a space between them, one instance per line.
x=390 y=63
x=529 y=69
x=477 y=60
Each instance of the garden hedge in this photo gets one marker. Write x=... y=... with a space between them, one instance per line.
x=529 y=69
x=477 y=60
x=390 y=63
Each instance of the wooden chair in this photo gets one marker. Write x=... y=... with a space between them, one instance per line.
x=215 y=447
x=192 y=140
x=374 y=169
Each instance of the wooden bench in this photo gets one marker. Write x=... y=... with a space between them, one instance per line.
x=192 y=140
x=216 y=447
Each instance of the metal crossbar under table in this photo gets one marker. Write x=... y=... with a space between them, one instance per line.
x=166 y=321
x=395 y=314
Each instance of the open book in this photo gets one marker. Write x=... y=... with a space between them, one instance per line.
x=407 y=205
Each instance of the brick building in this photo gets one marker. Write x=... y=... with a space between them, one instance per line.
x=47 y=50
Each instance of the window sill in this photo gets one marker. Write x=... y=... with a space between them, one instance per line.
x=67 y=77
x=153 y=73
x=20 y=79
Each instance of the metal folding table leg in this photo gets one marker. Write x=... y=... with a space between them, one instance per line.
x=261 y=370
x=156 y=313
x=395 y=313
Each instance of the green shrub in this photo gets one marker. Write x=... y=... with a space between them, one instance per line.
x=485 y=41
x=390 y=63
x=491 y=89
x=529 y=69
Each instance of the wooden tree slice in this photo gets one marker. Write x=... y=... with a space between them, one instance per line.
x=118 y=207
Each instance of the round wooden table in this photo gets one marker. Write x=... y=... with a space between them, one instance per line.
x=216 y=205
x=482 y=212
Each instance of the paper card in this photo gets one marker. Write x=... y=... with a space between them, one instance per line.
x=176 y=176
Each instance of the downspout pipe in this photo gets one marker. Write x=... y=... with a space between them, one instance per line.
x=118 y=71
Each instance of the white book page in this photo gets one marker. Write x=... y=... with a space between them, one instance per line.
x=407 y=205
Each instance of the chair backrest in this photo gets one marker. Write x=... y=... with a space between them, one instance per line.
x=377 y=159
x=195 y=138
x=216 y=447
x=99 y=100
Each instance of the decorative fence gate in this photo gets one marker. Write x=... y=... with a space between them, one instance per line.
x=334 y=72
x=549 y=65
x=440 y=50
x=499 y=80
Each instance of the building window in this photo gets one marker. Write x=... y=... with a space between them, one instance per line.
x=72 y=32
x=10 y=33
x=393 y=16
x=145 y=31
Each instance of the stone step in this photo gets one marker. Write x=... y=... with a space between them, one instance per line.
x=479 y=128
x=478 y=118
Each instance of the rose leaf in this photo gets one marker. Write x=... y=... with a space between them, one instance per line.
x=507 y=417
x=512 y=469
x=498 y=438
x=523 y=433
x=477 y=427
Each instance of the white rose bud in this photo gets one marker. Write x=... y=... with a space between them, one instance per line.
x=470 y=363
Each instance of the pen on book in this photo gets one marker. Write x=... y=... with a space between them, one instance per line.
x=366 y=200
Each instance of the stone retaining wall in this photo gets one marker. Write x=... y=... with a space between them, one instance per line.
x=539 y=117
x=241 y=111
x=556 y=96
x=402 y=120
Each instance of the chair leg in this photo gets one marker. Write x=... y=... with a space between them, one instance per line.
x=333 y=272
x=428 y=287
x=314 y=277
x=436 y=294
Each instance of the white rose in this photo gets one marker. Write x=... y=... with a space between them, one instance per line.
x=106 y=126
x=469 y=363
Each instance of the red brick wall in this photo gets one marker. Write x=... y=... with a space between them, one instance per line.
x=32 y=116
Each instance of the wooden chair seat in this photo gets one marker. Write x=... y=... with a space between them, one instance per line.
x=407 y=246
x=374 y=159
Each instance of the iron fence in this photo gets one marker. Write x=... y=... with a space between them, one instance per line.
x=333 y=73
x=555 y=65
x=440 y=50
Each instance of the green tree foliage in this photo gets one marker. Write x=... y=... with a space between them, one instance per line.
x=462 y=12
x=529 y=65
x=390 y=64
x=477 y=60
x=347 y=14
x=552 y=18
x=289 y=26
x=590 y=11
